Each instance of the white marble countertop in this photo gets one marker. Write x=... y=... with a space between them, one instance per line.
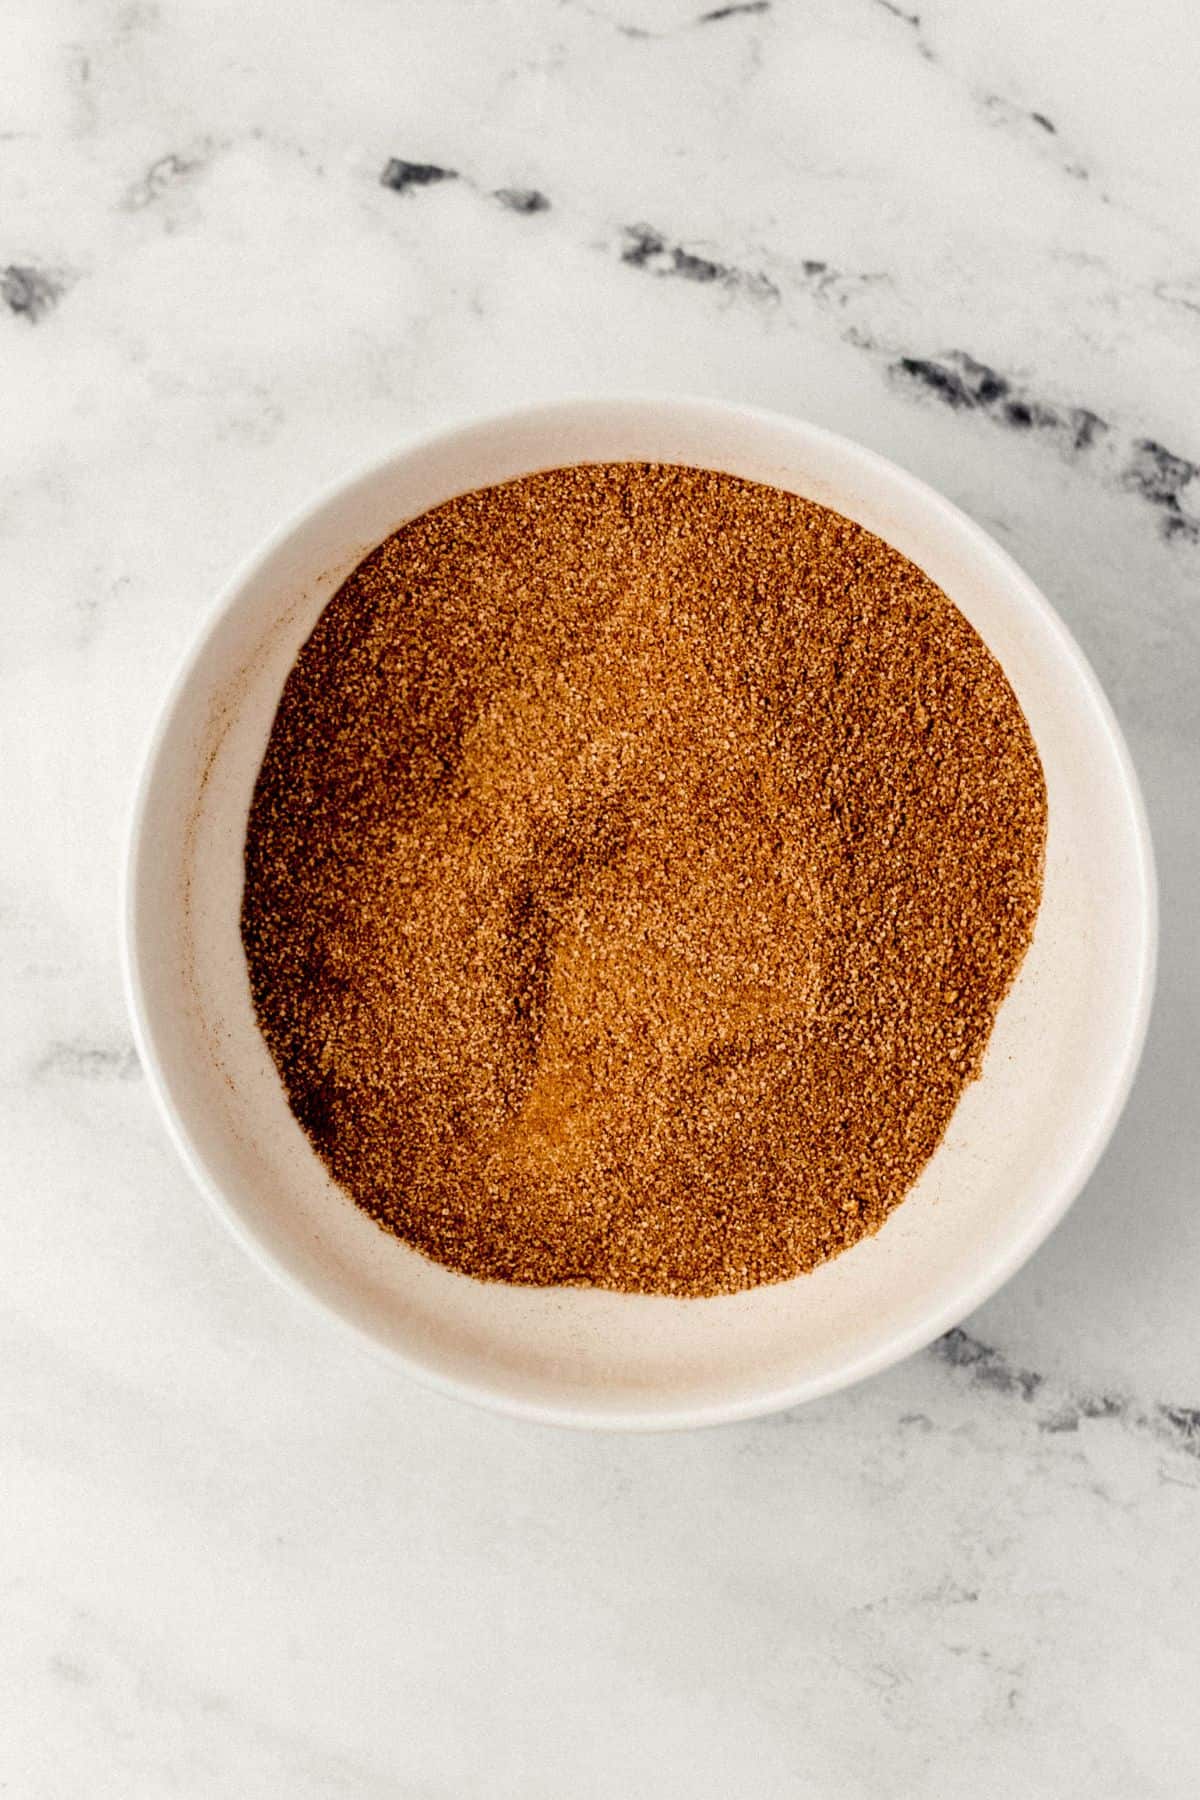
x=243 y=247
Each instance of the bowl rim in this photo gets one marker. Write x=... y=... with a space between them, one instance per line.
x=902 y=1342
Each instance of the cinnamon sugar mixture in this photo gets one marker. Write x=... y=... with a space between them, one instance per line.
x=638 y=862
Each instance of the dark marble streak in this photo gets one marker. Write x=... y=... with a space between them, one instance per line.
x=1160 y=478
x=1178 y=294
x=913 y=21
x=954 y=378
x=968 y=385
x=732 y=12
x=716 y=15
x=1183 y=1422
x=645 y=247
x=1001 y=111
x=78 y=1059
x=1088 y=1406
x=898 y=12
x=1174 y=1427
x=30 y=293
x=988 y=1367
x=161 y=175
x=648 y=249
x=1148 y=469
x=402 y=176
x=522 y=200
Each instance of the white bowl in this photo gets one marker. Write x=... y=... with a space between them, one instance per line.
x=1020 y=1146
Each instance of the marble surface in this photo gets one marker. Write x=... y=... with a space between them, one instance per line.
x=245 y=246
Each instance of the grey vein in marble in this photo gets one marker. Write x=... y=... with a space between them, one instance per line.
x=79 y=1059
x=31 y=293
x=1161 y=478
x=1144 y=467
x=999 y=110
x=1176 y=1427
x=717 y=15
x=954 y=378
x=646 y=248
x=1179 y=293
x=164 y=173
x=913 y=21
x=987 y=1367
x=404 y=176
x=966 y=384
x=738 y=10
x=898 y=12
x=522 y=200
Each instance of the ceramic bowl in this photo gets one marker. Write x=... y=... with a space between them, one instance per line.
x=1019 y=1147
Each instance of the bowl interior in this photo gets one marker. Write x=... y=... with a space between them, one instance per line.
x=1020 y=1144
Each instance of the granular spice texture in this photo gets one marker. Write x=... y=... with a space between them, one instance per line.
x=637 y=864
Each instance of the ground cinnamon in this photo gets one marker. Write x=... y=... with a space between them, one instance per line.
x=637 y=864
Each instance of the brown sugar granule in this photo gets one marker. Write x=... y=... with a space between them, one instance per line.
x=638 y=862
